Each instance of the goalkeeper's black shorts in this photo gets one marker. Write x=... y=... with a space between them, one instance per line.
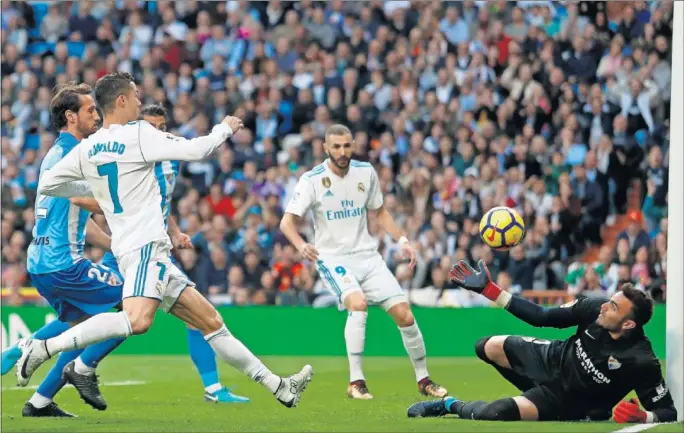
x=539 y=361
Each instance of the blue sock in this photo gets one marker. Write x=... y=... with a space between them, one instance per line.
x=203 y=357
x=53 y=382
x=92 y=355
x=51 y=330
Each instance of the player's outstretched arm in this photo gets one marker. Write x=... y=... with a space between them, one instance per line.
x=479 y=281
x=156 y=146
x=65 y=179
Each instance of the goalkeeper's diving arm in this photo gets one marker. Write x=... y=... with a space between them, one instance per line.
x=480 y=281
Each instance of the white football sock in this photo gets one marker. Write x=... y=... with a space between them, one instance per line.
x=213 y=388
x=355 y=337
x=81 y=368
x=232 y=351
x=98 y=328
x=38 y=401
x=415 y=346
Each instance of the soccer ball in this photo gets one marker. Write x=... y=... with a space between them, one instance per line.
x=502 y=228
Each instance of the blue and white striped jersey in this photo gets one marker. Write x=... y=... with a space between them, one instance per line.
x=166 y=173
x=59 y=233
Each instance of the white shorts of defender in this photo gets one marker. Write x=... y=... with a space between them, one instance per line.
x=149 y=273
x=364 y=271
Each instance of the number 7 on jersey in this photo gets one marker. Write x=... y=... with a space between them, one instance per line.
x=111 y=172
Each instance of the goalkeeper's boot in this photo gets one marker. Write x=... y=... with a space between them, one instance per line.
x=430 y=408
x=432 y=389
x=49 y=411
x=224 y=395
x=10 y=358
x=358 y=390
x=33 y=354
x=86 y=385
x=291 y=388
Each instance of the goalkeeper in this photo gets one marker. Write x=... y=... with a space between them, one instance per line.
x=581 y=378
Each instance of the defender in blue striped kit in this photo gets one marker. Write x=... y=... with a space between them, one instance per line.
x=74 y=286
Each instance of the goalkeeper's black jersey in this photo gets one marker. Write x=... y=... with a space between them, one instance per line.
x=594 y=368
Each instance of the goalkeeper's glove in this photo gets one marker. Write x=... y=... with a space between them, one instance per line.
x=478 y=281
x=629 y=412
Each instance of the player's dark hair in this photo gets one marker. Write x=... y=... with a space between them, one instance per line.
x=153 y=110
x=642 y=304
x=66 y=98
x=337 y=129
x=110 y=87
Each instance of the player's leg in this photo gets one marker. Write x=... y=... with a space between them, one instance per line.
x=204 y=358
x=81 y=372
x=505 y=409
x=41 y=402
x=192 y=308
x=343 y=284
x=384 y=290
x=11 y=355
x=541 y=403
x=141 y=298
x=523 y=361
x=355 y=338
x=136 y=318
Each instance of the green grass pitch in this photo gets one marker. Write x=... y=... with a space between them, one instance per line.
x=164 y=393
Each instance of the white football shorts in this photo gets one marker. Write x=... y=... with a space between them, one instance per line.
x=364 y=271
x=149 y=272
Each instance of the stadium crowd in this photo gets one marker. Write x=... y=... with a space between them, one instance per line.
x=554 y=108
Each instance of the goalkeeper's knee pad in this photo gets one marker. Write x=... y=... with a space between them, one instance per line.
x=480 y=349
x=505 y=409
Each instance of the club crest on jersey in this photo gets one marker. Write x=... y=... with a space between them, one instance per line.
x=613 y=364
x=326 y=182
x=361 y=187
x=114 y=280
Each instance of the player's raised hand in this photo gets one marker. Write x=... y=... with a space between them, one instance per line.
x=479 y=281
x=409 y=253
x=471 y=279
x=309 y=252
x=235 y=123
x=182 y=241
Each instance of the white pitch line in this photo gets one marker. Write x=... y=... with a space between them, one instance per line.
x=122 y=383
x=638 y=427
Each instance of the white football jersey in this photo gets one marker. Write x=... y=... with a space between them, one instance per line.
x=118 y=163
x=339 y=206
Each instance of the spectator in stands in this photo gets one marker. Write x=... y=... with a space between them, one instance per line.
x=635 y=235
x=547 y=108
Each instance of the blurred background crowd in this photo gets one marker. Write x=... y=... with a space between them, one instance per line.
x=559 y=109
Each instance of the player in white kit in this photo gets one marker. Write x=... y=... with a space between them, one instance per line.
x=116 y=166
x=340 y=192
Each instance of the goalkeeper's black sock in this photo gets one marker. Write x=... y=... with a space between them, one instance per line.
x=505 y=409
